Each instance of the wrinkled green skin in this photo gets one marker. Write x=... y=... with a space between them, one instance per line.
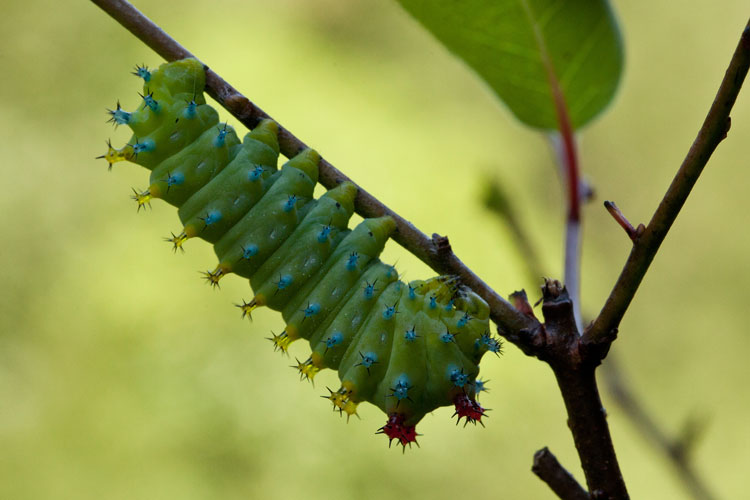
x=255 y=211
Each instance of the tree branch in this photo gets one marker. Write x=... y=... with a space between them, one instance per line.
x=714 y=130
x=407 y=235
x=574 y=365
x=557 y=477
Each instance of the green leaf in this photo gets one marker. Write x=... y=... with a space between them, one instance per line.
x=525 y=48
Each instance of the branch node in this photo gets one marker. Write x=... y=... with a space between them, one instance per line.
x=520 y=301
x=727 y=127
x=442 y=245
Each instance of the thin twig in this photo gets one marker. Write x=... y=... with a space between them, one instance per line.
x=407 y=235
x=623 y=221
x=676 y=450
x=714 y=130
x=557 y=477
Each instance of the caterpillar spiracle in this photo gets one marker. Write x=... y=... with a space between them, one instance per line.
x=407 y=348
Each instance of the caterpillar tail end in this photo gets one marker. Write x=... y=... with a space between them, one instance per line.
x=468 y=408
x=395 y=428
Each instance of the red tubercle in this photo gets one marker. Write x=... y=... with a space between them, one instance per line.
x=469 y=408
x=395 y=428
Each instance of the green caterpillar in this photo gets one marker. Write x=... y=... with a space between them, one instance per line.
x=407 y=348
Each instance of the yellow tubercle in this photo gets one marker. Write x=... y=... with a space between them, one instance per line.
x=213 y=277
x=350 y=408
x=177 y=241
x=281 y=342
x=339 y=398
x=142 y=199
x=248 y=307
x=114 y=155
x=307 y=369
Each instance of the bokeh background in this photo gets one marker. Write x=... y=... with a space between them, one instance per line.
x=122 y=375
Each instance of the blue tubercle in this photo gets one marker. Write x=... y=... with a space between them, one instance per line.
x=311 y=310
x=143 y=147
x=190 y=111
x=324 y=233
x=212 y=217
x=255 y=173
x=491 y=344
x=463 y=321
x=447 y=337
x=150 y=102
x=290 y=203
x=351 y=263
x=334 y=340
x=411 y=335
x=284 y=281
x=221 y=138
x=401 y=389
x=368 y=359
x=458 y=377
x=174 y=179
x=389 y=312
x=370 y=289
x=142 y=72
x=480 y=385
x=412 y=292
x=433 y=302
x=249 y=251
x=119 y=116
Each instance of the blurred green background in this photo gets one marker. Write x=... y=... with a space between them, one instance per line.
x=122 y=375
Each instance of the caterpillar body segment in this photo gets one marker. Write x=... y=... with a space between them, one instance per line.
x=407 y=348
x=330 y=342
x=241 y=183
x=287 y=270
